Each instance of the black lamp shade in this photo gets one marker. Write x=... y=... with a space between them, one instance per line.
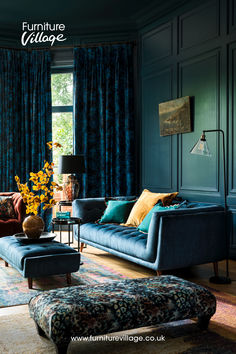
x=71 y=164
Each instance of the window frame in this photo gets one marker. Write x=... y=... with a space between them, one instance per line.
x=62 y=109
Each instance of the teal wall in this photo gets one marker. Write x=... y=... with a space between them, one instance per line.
x=190 y=53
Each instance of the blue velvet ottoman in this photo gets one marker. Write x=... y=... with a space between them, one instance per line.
x=39 y=259
x=121 y=305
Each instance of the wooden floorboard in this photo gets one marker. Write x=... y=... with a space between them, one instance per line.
x=198 y=274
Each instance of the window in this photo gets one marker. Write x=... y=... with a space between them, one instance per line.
x=62 y=115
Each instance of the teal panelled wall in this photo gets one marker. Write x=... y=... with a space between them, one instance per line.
x=191 y=53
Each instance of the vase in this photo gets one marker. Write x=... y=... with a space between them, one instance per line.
x=33 y=226
x=71 y=188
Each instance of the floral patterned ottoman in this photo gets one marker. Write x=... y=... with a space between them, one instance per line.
x=121 y=305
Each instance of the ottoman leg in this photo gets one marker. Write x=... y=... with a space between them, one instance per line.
x=203 y=322
x=68 y=278
x=40 y=331
x=30 y=283
x=6 y=264
x=62 y=348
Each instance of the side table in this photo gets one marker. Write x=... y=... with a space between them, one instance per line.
x=69 y=222
x=64 y=203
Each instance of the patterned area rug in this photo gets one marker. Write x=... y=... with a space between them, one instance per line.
x=14 y=288
x=182 y=337
x=224 y=320
x=19 y=336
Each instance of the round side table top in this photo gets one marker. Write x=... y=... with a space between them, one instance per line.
x=68 y=221
x=65 y=202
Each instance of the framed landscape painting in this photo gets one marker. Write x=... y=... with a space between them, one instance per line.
x=174 y=116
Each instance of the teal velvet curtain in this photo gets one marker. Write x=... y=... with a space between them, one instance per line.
x=104 y=119
x=25 y=114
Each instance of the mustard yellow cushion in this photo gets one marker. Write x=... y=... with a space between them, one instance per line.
x=145 y=203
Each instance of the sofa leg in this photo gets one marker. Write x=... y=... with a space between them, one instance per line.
x=81 y=246
x=68 y=278
x=6 y=264
x=30 y=283
x=40 y=331
x=159 y=272
x=216 y=271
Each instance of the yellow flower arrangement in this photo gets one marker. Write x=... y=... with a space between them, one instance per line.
x=42 y=190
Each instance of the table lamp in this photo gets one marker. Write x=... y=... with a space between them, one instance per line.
x=71 y=164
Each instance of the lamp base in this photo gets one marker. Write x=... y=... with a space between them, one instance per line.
x=71 y=188
x=220 y=280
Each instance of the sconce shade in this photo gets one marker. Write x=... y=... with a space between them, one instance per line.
x=71 y=164
x=201 y=147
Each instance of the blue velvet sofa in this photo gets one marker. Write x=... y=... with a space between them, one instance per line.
x=193 y=234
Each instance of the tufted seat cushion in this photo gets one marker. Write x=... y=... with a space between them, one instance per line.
x=127 y=240
x=17 y=251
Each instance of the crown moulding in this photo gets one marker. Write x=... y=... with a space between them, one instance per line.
x=99 y=28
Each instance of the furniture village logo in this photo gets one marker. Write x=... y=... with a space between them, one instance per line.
x=35 y=33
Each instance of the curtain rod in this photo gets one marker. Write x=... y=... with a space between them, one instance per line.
x=83 y=45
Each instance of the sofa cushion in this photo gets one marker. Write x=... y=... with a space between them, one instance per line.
x=9 y=227
x=120 y=238
x=117 y=211
x=144 y=226
x=6 y=208
x=145 y=203
x=127 y=198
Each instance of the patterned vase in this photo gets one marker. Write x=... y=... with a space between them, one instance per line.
x=33 y=226
x=71 y=188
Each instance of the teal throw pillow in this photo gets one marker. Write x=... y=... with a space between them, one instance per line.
x=117 y=211
x=144 y=226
